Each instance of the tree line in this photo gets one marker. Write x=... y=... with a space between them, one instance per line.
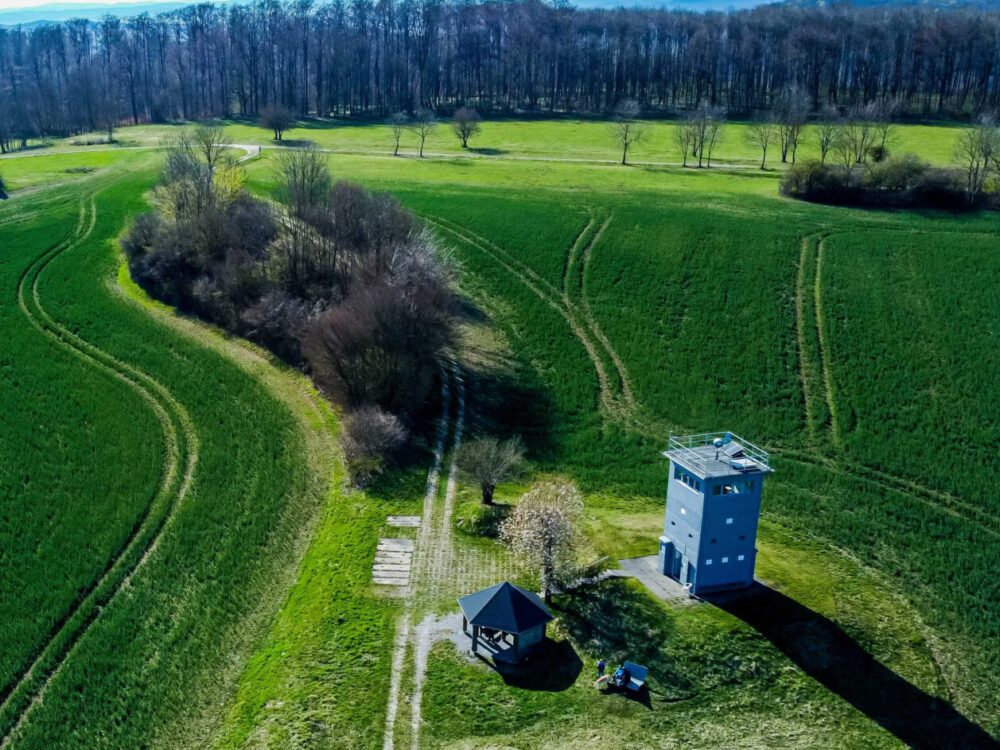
x=359 y=58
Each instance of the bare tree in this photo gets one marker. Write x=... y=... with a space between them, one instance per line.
x=826 y=131
x=856 y=136
x=489 y=461
x=792 y=111
x=761 y=133
x=277 y=119
x=884 y=128
x=706 y=124
x=627 y=128
x=978 y=151
x=423 y=125
x=466 y=124
x=305 y=176
x=544 y=531
x=369 y=437
x=398 y=123
x=684 y=137
x=713 y=134
x=209 y=142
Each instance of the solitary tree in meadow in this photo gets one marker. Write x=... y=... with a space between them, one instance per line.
x=977 y=151
x=423 y=124
x=761 y=134
x=488 y=462
x=466 y=124
x=398 y=123
x=626 y=127
x=277 y=119
x=543 y=530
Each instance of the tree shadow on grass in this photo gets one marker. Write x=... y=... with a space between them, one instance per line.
x=553 y=668
x=831 y=657
x=614 y=623
x=488 y=151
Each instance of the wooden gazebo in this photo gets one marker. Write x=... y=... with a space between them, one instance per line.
x=506 y=620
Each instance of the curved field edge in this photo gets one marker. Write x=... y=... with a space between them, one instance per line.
x=62 y=400
x=173 y=645
x=321 y=456
x=181 y=453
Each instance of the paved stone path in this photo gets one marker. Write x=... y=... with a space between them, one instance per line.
x=392 y=562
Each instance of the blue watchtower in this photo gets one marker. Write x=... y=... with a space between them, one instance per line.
x=713 y=503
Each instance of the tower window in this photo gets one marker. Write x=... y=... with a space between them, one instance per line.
x=742 y=536
x=717 y=489
x=728 y=520
x=673 y=523
x=683 y=511
x=708 y=562
x=713 y=541
x=740 y=557
x=725 y=559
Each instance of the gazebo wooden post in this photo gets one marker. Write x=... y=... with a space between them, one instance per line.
x=517 y=657
x=475 y=638
x=465 y=624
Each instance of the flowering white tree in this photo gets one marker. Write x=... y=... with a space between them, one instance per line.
x=544 y=531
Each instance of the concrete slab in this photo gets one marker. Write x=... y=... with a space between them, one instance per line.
x=645 y=570
x=387 y=581
x=398 y=557
x=400 y=545
x=403 y=522
x=403 y=570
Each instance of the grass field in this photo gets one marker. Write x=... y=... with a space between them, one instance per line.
x=620 y=304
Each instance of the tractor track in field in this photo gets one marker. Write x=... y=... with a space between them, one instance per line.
x=181 y=444
x=810 y=372
x=623 y=378
x=547 y=293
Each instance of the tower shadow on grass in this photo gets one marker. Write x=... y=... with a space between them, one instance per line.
x=835 y=660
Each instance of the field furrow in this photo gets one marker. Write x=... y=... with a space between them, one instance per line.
x=178 y=471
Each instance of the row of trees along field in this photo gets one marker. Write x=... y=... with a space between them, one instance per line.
x=338 y=280
x=370 y=59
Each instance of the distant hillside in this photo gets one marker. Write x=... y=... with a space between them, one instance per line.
x=938 y=4
x=59 y=12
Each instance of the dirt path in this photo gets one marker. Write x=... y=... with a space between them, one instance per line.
x=428 y=544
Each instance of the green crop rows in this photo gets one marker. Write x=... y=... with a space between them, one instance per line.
x=152 y=495
x=628 y=303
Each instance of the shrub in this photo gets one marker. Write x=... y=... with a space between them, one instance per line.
x=369 y=438
x=382 y=345
x=899 y=181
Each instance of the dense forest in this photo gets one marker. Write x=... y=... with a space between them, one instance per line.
x=364 y=58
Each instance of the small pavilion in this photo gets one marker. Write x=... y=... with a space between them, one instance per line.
x=507 y=621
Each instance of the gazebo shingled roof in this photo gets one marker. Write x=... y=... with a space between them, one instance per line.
x=505 y=607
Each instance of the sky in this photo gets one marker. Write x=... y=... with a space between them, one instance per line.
x=11 y=4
